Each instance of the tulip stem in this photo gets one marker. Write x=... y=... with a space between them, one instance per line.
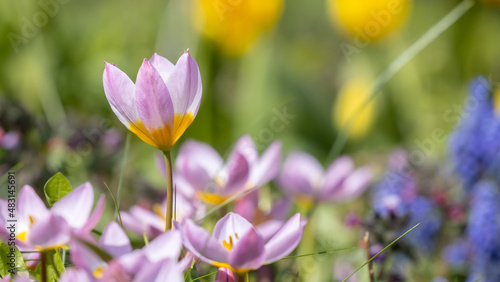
x=43 y=266
x=170 y=190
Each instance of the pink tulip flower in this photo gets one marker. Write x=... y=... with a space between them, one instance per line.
x=303 y=176
x=155 y=262
x=237 y=245
x=216 y=181
x=41 y=228
x=161 y=104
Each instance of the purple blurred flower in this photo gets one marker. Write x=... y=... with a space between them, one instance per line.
x=215 y=181
x=41 y=228
x=456 y=254
x=162 y=103
x=237 y=245
x=10 y=140
x=425 y=237
x=392 y=196
x=303 y=176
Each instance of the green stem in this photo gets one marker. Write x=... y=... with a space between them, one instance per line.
x=122 y=173
x=247 y=278
x=43 y=265
x=170 y=190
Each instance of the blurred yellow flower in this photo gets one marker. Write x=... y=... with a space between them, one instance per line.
x=234 y=24
x=368 y=20
x=350 y=104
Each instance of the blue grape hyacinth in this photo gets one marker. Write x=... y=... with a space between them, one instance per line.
x=483 y=232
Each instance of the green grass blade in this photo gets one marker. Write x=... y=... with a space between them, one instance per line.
x=396 y=65
x=116 y=204
x=319 y=253
x=388 y=246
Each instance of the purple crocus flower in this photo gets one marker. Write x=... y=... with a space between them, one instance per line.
x=303 y=176
x=216 y=181
x=237 y=245
x=42 y=229
x=162 y=103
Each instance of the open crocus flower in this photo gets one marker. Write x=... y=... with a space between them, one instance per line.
x=43 y=229
x=237 y=245
x=216 y=181
x=303 y=176
x=162 y=103
x=155 y=262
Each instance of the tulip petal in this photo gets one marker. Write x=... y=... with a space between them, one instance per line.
x=29 y=208
x=49 y=232
x=198 y=163
x=162 y=65
x=167 y=245
x=166 y=270
x=114 y=240
x=337 y=172
x=76 y=206
x=269 y=228
x=83 y=257
x=235 y=173
x=198 y=241
x=225 y=275
x=184 y=85
x=248 y=252
x=73 y=274
x=301 y=174
x=95 y=216
x=268 y=166
x=154 y=106
x=247 y=148
x=247 y=205
x=120 y=92
x=230 y=225
x=285 y=240
x=354 y=185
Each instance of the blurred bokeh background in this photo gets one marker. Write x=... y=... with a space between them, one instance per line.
x=308 y=64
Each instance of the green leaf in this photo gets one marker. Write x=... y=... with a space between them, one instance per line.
x=11 y=260
x=56 y=188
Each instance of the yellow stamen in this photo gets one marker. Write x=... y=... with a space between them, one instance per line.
x=229 y=245
x=213 y=199
x=98 y=272
x=32 y=220
x=22 y=236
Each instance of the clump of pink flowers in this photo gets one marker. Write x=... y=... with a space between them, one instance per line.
x=63 y=241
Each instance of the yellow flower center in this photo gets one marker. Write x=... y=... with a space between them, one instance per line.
x=164 y=137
